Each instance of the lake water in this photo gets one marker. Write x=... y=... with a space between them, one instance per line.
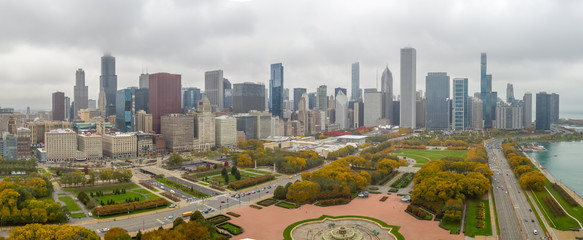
x=564 y=161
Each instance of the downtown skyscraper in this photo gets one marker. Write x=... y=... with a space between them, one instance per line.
x=80 y=93
x=356 y=91
x=488 y=97
x=108 y=83
x=164 y=97
x=460 y=104
x=387 y=91
x=437 y=107
x=214 y=89
x=408 y=91
x=276 y=90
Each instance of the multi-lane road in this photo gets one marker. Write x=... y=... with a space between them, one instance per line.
x=515 y=216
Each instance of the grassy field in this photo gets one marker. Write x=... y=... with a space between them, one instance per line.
x=256 y=171
x=70 y=203
x=453 y=227
x=471 y=229
x=103 y=188
x=78 y=215
x=564 y=222
x=423 y=156
x=120 y=198
x=41 y=170
x=232 y=178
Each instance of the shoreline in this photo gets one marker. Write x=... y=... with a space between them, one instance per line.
x=552 y=179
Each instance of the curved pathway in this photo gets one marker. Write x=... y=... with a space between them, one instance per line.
x=581 y=226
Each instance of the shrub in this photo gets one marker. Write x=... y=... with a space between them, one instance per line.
x=125 y=207
x=417 y=212
x=568 y=198
x=480 y=224
x=233 y=214
x=218 y=219
x=171 y=196
x=554 y=206
x=231 y=228
x=250 y=181
x=267 y=202
x=147 y=185
x=331 y=194
x=433 y=207
x=384 y=199
x=332 y=202
x=82 y=196
x=255 y=206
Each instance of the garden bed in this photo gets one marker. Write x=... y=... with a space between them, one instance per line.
x=287 y=205
x=384 y=198
x=267 y=202
x=218 y=219
x=231 y=228
x=233 y=214
x=403 y=181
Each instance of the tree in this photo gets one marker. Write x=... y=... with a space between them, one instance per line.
x=238 y=175
x=175 y=159
x=304 y=191
x=177 y=222
x=280 y=192
x=224 y=172
x=233 y=170
x=534 y=180
x=139 y=235
x=52 y=232
x=117 y=233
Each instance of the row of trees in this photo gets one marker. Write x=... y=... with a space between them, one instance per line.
x=51 y=232
x=108 y=175
x=285 y=162
x=523 y=168
x=8 y=166
x=21 y=202
x=342 y=152
x=129 y=207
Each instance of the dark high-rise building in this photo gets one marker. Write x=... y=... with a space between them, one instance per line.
x=312 y=100
x=276 y=90
x=322 y=93
x=59 y=106
x=227 y=94
x=339 y=89
x=356 y=91
x=488 y=97
x=164 y=96
x=396 y=113
x=81 y=97
x=248 y=96
x=387 y=91
x=298 y=92
x=108 y=83
x=141 y=99
x=543 y=111
x=527 y=115
x=191 y=97
x=124 y=110
x=510 y=93
x=554 y=108
x=436 y=110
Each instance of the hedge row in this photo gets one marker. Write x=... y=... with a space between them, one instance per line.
x=554 y=206
x=171 y=196
x=334 y=201
x=403 y=181
x=417 y=212
x=147 y=185
x=480 y=224
x=384 y=199
x=433 y=207
x=480 y=213
x=255 y=206
x=323 y=195
x=250 y=181
x=388 y=178
x=128 y=207
x=233 y=214
x=565 y=195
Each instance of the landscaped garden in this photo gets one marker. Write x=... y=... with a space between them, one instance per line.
x=267 y=202
x=478 y=219
x=403 y=181
x=218 y=219
x=422 y=156
x=190 y=191
x=288 y=205
x=553 y=215
x=70 y=203
x=231 y=228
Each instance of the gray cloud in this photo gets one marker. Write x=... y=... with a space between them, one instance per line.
x=534 y=45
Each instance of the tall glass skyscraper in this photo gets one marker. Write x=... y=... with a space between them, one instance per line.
x=298 y=92
x=276 y=90
x=408 y=92
x=191 y=97
x=436 y=110
x=108 y=83
x=488 y=99
x=81 y=97
x=460 y=102
x=387 y=90
x=356 y=92
x=124 y=110
x=543 y=111
x=214 y=88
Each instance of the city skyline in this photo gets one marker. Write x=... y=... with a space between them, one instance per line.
x=322 y=60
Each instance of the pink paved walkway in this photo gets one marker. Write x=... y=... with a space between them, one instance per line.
x=269 y=222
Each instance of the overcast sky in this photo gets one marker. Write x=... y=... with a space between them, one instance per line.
x=534 y=44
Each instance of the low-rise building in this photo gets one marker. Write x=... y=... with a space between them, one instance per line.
x=23 y=135
x=91 y=146
x=120 y=145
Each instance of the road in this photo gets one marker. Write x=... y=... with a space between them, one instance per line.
x=515 y=217
x=215 y=205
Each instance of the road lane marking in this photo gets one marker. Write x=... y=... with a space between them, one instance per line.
x=160 y=221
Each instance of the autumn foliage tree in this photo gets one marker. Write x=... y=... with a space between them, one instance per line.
x=302 y=192
x=117 y=233
x=534 y=180
x=51 y=232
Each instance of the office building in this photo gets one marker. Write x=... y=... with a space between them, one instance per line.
x=141 y=99
x=204 y=133
x=38 y=129
x=124 y=111
x=387 y=90
x=543 y=111
x=226 y=131
x=420 y=107
x=179 y=132
x=339 y=89
x=214 y=89
x=437 y=109
x=164 y=96
x=509 y=117
x=488 y=97
x=276 y=86
x=145 y=144
x=298 y=92
x=527 y=115
x=101 y=104
x=68 y=109
x=459 y=104
x=256 y=125
x=510 y=93
x=8 y=146
x=58 y=106
x=358 y=113
x=61 y=145
x=144 y=81
x=24 y=135
x=373 y=107
x=120 y=145
x=408 y=83
x=554 y=108
x=143 y=122
x=397 y=113
x=312 y=100
x=108 y=83
x=227 y=94
x=248 y=96
x=81 y=97
x=92 y=105
x=322 y=93
x=475 y=111
x=90 y=146
x=356 y=91
x=341 y=110
x=190 y=99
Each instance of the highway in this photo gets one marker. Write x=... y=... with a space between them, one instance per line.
x=515 y=217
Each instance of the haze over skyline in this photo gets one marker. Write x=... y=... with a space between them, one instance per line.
x=529 y=43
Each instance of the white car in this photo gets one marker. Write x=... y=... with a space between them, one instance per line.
x=105 y=230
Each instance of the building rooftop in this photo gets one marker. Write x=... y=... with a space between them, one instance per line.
x=352 y=137
x=62 y=131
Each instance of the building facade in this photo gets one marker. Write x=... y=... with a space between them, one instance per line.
x=59 y=106
x=24 y=135
x=276 y=86
x=356 y=91
x=190 y=99
x=61 y=145
x=179 y=132
x=459 y=104
x=509 y=117
x=543 y=111
x=387 y=90
x=108 y=83
x=90 y=146
x=214 y=88
x=124 y=111
x=143 y=122
x=248 y=96
x=226 y=131
x=437 y=94
x=373 y=107
x=341 y=110
x=120 y=145
x=527 y=116
x=165 y=89
x=81 y=92
x=408 y=87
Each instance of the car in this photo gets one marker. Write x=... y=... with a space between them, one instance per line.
x=172 y=205
x=535 y=232
x=532 y=220
x=90 y=214
x=222 y=201
x=107 y=229
x=237 y=196
x=171 y=217
x=268 y=187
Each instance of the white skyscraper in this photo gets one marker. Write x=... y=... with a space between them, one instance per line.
x=373 y=107
x=408 y=81
x=527 y=116
x=214 y=88
x=342 y=110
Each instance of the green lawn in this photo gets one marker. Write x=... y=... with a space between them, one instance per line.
x=256 y=171
x=232 y=178
x=471 y=220
x=142 y=191
x=41 y=170
x=62 y=194
x=131 y=213
x=564 y=222
x=453 y=227
x=422 y=155
x=70 y=203
x=77 y=215
x=120 y=198
x=105 y=189
x=152 y=196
